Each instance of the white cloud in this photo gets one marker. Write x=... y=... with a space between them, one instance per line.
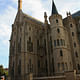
x=68 y=5
x=6 y=20
x=34 y=8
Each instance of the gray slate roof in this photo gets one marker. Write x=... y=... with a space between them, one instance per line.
x=54 y=9
x=76 y=14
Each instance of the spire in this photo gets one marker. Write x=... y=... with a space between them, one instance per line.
x=19 y=4
x=45 y=17
x=54 y=9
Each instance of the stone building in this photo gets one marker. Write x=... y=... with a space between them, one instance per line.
x=44 y=49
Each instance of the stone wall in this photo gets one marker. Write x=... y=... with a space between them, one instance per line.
x=67 y=76
x=51 y=78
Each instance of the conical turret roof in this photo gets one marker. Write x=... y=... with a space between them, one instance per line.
x=54 y=9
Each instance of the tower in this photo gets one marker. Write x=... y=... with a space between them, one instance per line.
x=74 y=42
x=19 y=5
x=60 y=41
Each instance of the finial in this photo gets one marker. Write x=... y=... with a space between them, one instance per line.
x=45 y=17
x=70 y=13
x=79 y=21
x=19 y=4
x=67 y=13
x=45 y=14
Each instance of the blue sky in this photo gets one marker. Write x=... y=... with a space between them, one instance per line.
x=35 y=8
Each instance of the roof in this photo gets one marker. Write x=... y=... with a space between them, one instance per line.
x=54 y=9
x=33 y=19
x=77 y=14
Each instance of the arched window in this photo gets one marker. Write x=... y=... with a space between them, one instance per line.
x=29 y=28
x=58 y=30
x=30 y=39
x=29 y=45
x=52 y=65
x=55 y=43
x=19 y=46
x=71 y=25
x=58 y=66
x=72 y=33
x=19 y=67
x=57 y=21
x=58 y=43
x=37 y=45
x=46 y=66
x=78 y=67
x=66 y=66
x=45 y=46
x=74 y=44
x=28 y=68
x=30 y=65
x=61 y=53
x=62 y=66
x=12 y=70
x=51 y=45
x=38 y=63
x=76 y=54
x=61 y=42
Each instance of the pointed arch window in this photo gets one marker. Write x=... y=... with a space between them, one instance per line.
x=66 y=66
x=61 y=42
x=76 y=54
x=74 y=44
x=58 y=43
x=58 y=66
x=71 y=25
x=57 y=21
x=55 y=43
x=51 y=46
x=78 y=66
x=62 y=66
x=29 y=45
x=19 y=46
x=38 y=63
x=45 y=46
x=58 y=30
x=30 y=65
x=72 y=33
x=19 y=67
x=61 y=53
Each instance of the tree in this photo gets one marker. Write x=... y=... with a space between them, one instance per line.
x=1 y=70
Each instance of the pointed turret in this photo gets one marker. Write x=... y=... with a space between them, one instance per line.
x=54 y=9
x=19 y=4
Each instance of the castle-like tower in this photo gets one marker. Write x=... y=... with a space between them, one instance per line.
x=60 y=41
x=44 y=49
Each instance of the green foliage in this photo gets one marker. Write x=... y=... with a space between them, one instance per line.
x=6 y=73
x=3 y=71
